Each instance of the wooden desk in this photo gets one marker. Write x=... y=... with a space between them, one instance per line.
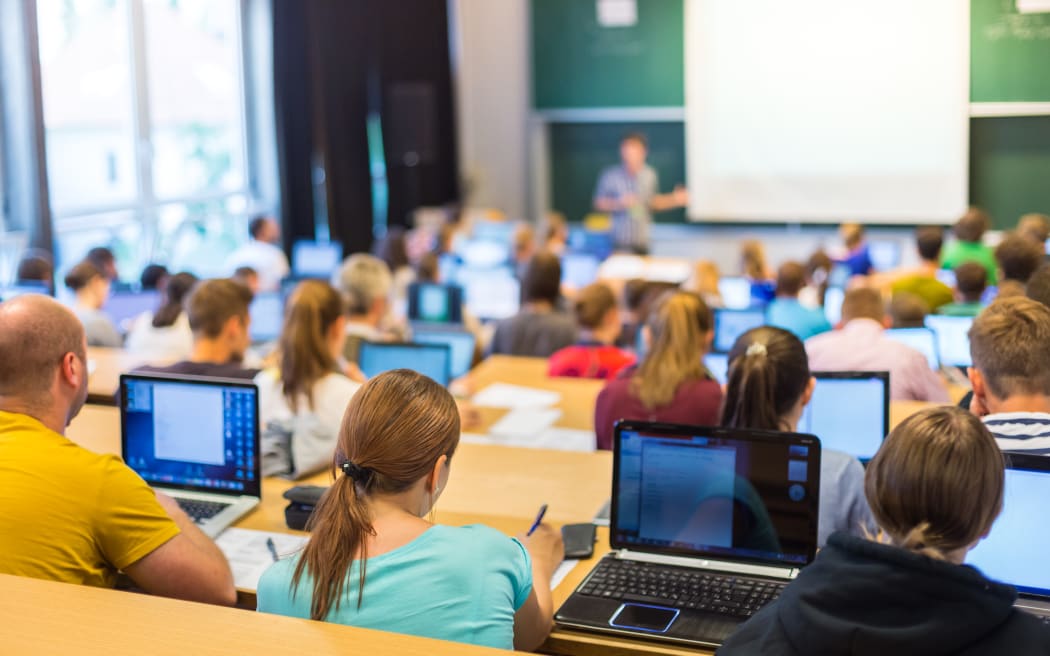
x=108 y=364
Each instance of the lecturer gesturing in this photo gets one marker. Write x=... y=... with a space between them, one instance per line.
x=630 y=192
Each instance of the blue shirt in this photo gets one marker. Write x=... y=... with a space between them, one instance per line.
x=451 y=583
x=789 y=314
x=843 y=506
x=630 y=226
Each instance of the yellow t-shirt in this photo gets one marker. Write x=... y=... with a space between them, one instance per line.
x=67 y=514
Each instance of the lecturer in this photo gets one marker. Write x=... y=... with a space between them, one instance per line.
x=630 y=193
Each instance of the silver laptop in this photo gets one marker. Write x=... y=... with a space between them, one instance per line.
x=195 y=439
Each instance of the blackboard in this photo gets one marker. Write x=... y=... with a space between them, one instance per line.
x=1009 y=53
x=1010 y=166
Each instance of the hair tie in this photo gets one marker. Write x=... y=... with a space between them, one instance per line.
x=356 y=473
x=757 y=348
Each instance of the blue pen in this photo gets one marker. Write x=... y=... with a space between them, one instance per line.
x=273 y=549
x=539 y=519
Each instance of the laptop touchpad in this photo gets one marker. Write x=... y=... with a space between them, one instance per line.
x=652 y=619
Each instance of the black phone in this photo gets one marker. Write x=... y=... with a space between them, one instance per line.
x=579 y=540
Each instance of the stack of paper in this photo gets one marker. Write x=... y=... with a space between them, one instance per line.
x=502 y=395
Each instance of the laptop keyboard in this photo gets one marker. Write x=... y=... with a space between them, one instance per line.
x=199 y=511
x=646 y=583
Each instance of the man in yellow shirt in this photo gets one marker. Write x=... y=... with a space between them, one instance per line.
x=67 y=514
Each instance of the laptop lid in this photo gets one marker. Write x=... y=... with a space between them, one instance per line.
x=833 y=298
x=849 y=411
x=461 y=345
x=267 y=313
x=490 y=294
x=741 y=495
x=315 y=259
x=123 y=307
x=718 y=365
x=735 y=292
x=953 y=339
x=922 y=340
x=435 y=303
x=579 y=269
x=731 y=324
x=187 y=433
x=431 y=360
x=1015 y=550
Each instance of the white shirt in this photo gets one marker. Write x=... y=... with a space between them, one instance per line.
x=268 y=260
x=174 y=342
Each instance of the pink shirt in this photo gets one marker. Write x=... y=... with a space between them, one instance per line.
x=861 y=346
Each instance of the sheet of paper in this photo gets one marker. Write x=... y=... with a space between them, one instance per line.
x=249 y=556
x=563 y=570
x=525 y=422
x=503 y=395
x=554 y=438
x=1033 y=6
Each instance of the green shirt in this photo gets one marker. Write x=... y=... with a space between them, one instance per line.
x=958 y=252
x=961 y=309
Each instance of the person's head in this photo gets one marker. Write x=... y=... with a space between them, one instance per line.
x=678 y=333
x=1010 y=348
x=928 y=241
x=972 y=225
x=542 y=283
x=769 y=382
x=634 y=149
x=704 y=280
x=936 y=485
x=1035 y=227
x=43 y=360
x=818 y=267
x=597 y=312
x=791 y=278
x=523 y=243
x=104 y=260
x=446 y=235
x=634 y=294
x=396 y=442
x=557 y=229
x=247 y=276
x=971 y=279
x=1019 y=257
x=89 y=284
x=908 y=310
x=753 y=259
x=429 y=268
x=36 y=266
x=863 y=303
x=852 y=235
x=175 y=292
x=311 y=339
x=392 y=249
x=1038 y=287
x=154 y=277
x=217 y=310
x=265 y=229
x=365 y=282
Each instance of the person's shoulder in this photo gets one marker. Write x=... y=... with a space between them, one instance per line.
x=484 y=541
x=275 y=584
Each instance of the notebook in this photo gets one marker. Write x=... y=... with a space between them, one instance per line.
x=315 y=259
x=707 y=525
x=731 y=324
x=195 y=439
x=953 y=339
x=435 y=303
x=461 y=343
x=849 y=411
x=431 y=360
x=922 y=340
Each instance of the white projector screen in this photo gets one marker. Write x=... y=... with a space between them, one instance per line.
x=827 y=110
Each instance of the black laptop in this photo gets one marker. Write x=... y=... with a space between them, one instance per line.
x=707 y=526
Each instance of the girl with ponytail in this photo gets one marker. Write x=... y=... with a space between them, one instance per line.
x=165 y=334
x=374 y=561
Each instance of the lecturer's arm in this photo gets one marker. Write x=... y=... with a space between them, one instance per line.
x=677 y=198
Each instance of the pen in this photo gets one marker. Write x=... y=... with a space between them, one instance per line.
x=539 y=518
x=273 y=549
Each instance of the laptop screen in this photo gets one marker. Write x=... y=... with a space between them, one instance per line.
x=435 y=303
x=122 y=307
x=849 y=411
x=490 y=293
x=731 y=324
x=885 y=254
x=579 y=269
x=315 y=259
x=953 y=339
x=718 y=365
x=267 y=313
x=191 y=433
x=735 y=292
x=833 y=298
x=459 y=342
x=431 y=360
x=715 y=492
x=921 y=339
x=1015 y=550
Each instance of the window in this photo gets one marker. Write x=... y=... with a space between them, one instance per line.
x=145 y=131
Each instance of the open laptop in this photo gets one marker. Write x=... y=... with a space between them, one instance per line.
x=735 y=292
x=460 y=342
x=267 y=314
x=885 y=254
x=491 y=294
x=122 y=307
x=707 y=524
x=849 y=411
x=435 y=303
x=833 y=298
x=579 y=269
x=718 y=365
x=315 y=259
x=731 y=324
x=195 y=439
x=953 y=339
x=1015 y=550
x=431 y=360
x=922 y=340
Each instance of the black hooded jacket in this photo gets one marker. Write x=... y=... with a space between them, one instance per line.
x=862 y=598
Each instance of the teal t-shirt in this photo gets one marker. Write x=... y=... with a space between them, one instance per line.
x=789 y=314
x=462 y=584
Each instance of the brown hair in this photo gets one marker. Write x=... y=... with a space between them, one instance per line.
x=1009 y=288
x=704 y=279
x=1010 y=346
x=395 y=429
x=542 y=279
x=593 y=304
x=1035 y=226
x=852 y=234
x=1019 y=257
x=179 y=285
x=863 y=303
x=753 y=259
x=678 y=328
x=392 y=249
x=791 y=277
x=929 y=240
x=936 y=485
x=429 y=268
x=302 y=349
x=36 y=265
x=82 y=275
x=908 y=310
x=212 y=303
x=971 y=279
x=972 y=225
x=36 y=332
x=1038 y=287
x=768 y=373
x=523 y=241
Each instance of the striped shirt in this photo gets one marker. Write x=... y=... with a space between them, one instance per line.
x=630 y=226
x=1021 y=431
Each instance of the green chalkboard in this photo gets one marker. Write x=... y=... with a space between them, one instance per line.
x=579 y=152
x=578 y=63
x=1010 y=166
x=1009 y=53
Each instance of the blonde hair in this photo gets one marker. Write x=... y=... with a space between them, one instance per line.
x=303 y=351
x=678 y=329
x=753 y=259
x=704 y=280
x=852 y=234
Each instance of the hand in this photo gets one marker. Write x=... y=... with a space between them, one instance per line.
x=354 y=373
x=545 y=545
x=680 y=196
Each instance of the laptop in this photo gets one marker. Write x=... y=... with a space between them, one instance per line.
x=922 y=340
x=731 y=324
x=432 y=360
x=885 y=254
x=122 y=307
x=315 y=259
x=579 y=269
x=490 y=294
x=267 y=314
x=849 y=411
x=435 y=303
x=735 y=292
x=953 y=339
x=195 y=439
x=461 y=344
x=707 y=526
x=833 y=298
x=718 y=365
x=1015 y=550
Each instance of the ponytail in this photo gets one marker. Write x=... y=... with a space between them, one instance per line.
x=304 y=355
x=768 y=374
x=175 y=292
x=678 y=327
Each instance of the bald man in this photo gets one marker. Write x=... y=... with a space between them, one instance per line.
x=70 y=515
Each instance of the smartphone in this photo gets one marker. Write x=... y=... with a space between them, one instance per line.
x=579 y=540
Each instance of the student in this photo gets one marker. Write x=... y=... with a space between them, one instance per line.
x=522 y=248
x=373 y=561
x=858 y=255
x=154 y=278
x=922 y=281
x=68 y=514
x=908 y=310
x=248 y=277
x=671 y=383
x=262 y=253
x=365 y=282
x=935 y=489
x=971 y=280
x=1035 y=227
x=1038 y=287
x=35 y=266
x=756 y=270
x=217 y=311
x=106 y=262
x=704 y=281
x=556 y=234
x=969 y=231
x=818 y=270
x=165 y=333
x=539 y=329
x=1018 y=257
x=769 y=386
x=91 y=288
x=594 y=356
x=859 y=345
x=393 y=250
x=787 y=312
